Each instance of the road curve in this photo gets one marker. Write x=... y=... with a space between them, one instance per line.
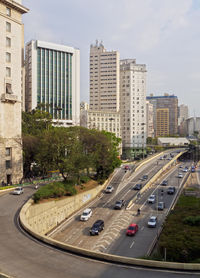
x=23 y=257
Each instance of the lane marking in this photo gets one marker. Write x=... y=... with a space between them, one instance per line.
x=132 y=244
x=142 y=228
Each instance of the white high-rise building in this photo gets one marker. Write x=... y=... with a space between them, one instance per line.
x=149 y=119
x=133 y=104
x=11 y=89
x=53 y=79
x=183 y=113
x=104 y=78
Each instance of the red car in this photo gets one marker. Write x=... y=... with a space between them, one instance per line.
x=132 y=229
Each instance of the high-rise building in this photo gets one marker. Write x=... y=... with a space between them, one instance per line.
x=104 y=78
x=133 y=104
x=149 y=119
x=183 y=113
x=53 y=79
x=11 y=88
x=165 y=114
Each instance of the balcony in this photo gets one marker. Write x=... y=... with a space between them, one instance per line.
x=9 y=98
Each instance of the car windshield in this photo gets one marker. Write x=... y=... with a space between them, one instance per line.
x=118 y=203
x=131 y=228
x=109 y=187
x=85 y=213
x=18 y=189
x=152 y=220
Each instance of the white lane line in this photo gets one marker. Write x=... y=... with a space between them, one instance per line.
x=80 y=242
x=132 y=244
x=142 y=228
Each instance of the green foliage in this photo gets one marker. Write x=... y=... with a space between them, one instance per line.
x=84 y=179
x=180 y=237
x=54 y=190
x=6 y=187
x=192 y=220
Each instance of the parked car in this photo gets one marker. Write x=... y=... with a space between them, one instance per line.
x=161 y=206
x=109 y=189
x=152 y=222
x=119 y=204
x=97 y=227
x=18 y=191
x=165 y=182
x=132 y=229
x=87 y=213
x=138 y=186
x=171 y=190
x=152 y=199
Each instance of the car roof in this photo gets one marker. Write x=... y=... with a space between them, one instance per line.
x=153 y=217
x=132 y=225
x=161 y=203
x=98 y=221
x=152 y=196
x=87 y=210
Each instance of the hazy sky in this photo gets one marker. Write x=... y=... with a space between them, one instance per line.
x=163 y=34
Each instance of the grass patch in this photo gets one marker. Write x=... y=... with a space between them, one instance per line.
x=181 y=233
x=6 y=187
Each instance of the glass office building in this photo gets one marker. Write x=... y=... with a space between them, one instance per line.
x=53 y=81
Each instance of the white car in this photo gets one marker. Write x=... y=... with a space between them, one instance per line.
x=87 y=213
x=152 y=222
x=109 y=189
x=152 y=199
x=185 y=170
x=18 y=191
x=180 y=176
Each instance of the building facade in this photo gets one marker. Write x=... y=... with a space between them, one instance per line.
x=53 y=79
x=104 y=78
x=183 y=113
x=165 y=114
x=192 y=126
x=149 y=119
x=84 y=107
x=133 y=104
x=11 y=88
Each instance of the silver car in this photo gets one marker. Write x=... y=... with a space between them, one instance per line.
x=18 y=191
x=152 y=222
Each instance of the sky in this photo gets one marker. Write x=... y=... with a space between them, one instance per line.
x=163 y=34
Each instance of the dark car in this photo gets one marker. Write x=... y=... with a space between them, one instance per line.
x=119 y=204
x=145 y=177
x=165 y=182
x=138 y=186
x=97 y=227
x=171 y=190
x=161 y=206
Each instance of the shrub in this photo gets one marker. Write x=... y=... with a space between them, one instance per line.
x=192 y=220
x=84 y=179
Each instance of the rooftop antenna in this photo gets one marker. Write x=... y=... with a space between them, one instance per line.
x=96 y=42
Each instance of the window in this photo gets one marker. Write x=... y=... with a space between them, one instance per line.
x=8 y=42
x=8 y=88
x=8 y=151
x=8 y=57
x=8 y=27
x=8 y=164
x=8 y=72
x=8 y=11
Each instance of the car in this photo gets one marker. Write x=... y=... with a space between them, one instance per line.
x=164 y=156
x=18 y=191
x=152 y=199
x=145 y=177
x=161 y=158
x=169 y=158
x=171 y=190
x=109 y=189
x=87 y=213
x=126 y=167
x=165 y=182
x=138 y=186
x=180 y=175
x=185 y=170
x=132 y=229
x=161 y=206
x=180 y=166
x=97 y=227
x=119 y=204
x=152 y=222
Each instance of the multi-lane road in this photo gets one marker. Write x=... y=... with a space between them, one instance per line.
x=24 y=257
x=113 y=239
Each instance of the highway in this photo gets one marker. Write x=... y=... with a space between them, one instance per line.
x=24 y=257
x=113 y=239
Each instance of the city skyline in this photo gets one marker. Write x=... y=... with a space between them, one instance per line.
x=166 y=41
